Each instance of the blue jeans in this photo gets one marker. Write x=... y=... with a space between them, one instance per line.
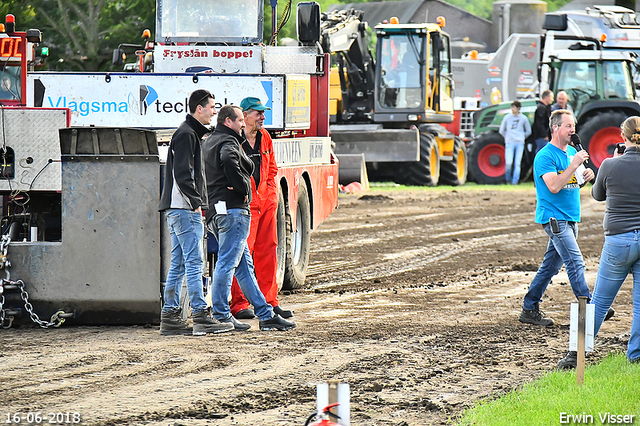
x=231 y=231
x=562 y=249
x=512 y=159
x=540 y=143
x=620 y=255
x=187 y=230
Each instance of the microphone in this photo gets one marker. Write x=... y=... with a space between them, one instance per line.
x=575 y=140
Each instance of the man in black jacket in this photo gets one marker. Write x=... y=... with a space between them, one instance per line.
x=183 y=198
x=540 y=129
x=229 y=171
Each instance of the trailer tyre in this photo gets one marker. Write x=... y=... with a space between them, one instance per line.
x=281 y=227
x=425 y=172
x=298 y=242
x=600 y=134
x=486 y=159
x=454 y=172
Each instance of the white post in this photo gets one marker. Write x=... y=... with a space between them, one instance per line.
x=331 y=393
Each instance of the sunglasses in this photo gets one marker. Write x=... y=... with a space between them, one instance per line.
x=208 y=95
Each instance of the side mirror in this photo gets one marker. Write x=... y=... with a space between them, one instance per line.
x=555 y=22
x=118 y=57
x=308 y=23
x=34 y=36
x=438 y=42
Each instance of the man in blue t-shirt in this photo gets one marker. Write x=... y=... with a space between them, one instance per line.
x=558 y=201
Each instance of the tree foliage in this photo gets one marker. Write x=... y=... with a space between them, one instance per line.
x=483 y=8
x=81 y=34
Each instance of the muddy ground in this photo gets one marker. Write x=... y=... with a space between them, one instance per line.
x=412 y=299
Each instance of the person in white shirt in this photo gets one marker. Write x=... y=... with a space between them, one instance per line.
x=562 y=102
x=515 y=128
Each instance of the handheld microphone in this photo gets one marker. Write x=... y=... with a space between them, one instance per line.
x=575 y=140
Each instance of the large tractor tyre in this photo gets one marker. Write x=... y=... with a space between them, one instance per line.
x=600 y=134
x=281 y=227
x=454 y=172
x=298 y=242
x=425 y=172
x=486 y=159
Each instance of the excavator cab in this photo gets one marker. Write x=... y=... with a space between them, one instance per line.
x=414 y=76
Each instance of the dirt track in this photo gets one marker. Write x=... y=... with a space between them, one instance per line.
x=413 y=300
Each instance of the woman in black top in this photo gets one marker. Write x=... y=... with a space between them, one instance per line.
x=618 y=183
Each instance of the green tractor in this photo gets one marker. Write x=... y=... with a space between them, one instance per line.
x=601 y=92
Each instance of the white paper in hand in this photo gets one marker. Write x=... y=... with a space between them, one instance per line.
x=221 y=207
x=580 y=174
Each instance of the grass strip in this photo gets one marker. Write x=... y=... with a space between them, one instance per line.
x=611 y=388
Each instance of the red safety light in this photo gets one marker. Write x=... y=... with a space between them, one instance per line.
x=11 y=23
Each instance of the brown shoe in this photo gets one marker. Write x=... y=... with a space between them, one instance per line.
x=204 y=323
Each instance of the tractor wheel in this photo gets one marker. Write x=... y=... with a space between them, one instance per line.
x=425 y=172
x=486 y=159
x=281 y=227
x=298 y=242
x=600 y=134
x=454 y=172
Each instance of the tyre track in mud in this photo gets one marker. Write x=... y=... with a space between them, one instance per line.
x=411 y=241
x=416 y=310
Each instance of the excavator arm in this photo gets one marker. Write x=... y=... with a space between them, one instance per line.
x=344 y=36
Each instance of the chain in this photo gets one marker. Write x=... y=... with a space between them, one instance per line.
x=2 y=314
x=56 y=319
x=4 y=246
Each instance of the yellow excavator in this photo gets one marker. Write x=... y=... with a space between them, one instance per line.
x=397 y=110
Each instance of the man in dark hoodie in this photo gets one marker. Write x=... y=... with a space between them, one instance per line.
x=184 y=196
x=540 y=129
x=229 y=171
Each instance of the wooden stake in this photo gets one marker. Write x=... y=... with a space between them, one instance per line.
x=582 y=320
x=333 y=394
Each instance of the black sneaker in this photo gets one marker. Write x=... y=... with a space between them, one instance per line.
x=237 y=325
x=276 y=323
x=245 y=314
x=284 y=313
x=535 y=317
x=569 y=361
x=172 y=324
x=204 y=323
x=610 y=313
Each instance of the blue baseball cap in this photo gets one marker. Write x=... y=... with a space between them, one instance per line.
x=252 y=103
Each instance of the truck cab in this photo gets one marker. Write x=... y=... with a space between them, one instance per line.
x=16 y=55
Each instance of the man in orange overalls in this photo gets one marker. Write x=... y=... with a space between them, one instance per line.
x=263 y=237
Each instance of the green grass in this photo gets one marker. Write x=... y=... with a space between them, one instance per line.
x=612 y=386
x=468 y=187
